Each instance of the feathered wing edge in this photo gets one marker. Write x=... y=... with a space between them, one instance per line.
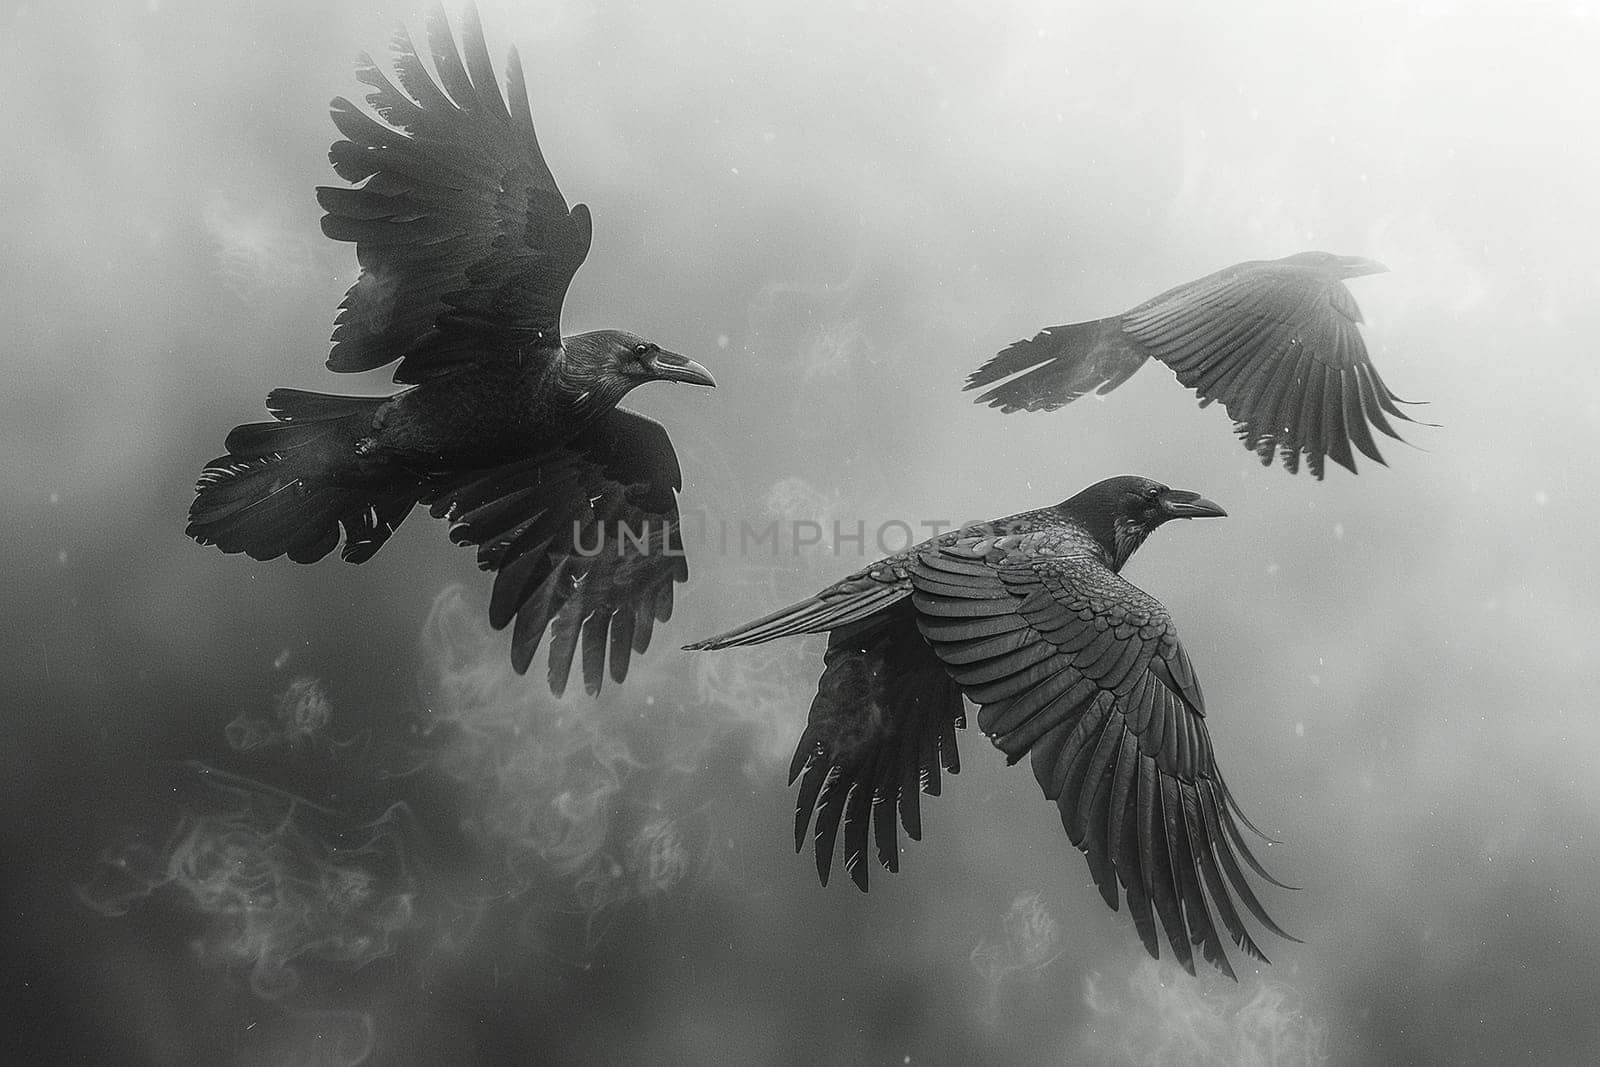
x=1109 y=710
x=458 y=224
x=882 y=728
x=1286 y=361
x=586 y=543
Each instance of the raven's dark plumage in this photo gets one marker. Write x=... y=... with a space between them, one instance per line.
x=510 y=432
x=1029 y=617
x=1275 y=341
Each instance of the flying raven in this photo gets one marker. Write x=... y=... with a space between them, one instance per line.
x=509 y=431
x=1276 y=341
x=1031 y=619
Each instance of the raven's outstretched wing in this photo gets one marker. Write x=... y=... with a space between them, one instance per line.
x=466 y=245
x=882 y=727
x=585 y=541
x=1279 y=346
x=1072 y=662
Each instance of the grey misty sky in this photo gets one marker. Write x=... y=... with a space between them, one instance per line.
x=841 y=209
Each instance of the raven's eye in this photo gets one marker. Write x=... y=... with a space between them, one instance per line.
x=640 y=350
x=1154 y=492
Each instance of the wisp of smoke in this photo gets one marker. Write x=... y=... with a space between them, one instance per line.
x=281 y=881
x=579 y=799
x=794 y=499
x=256 y=255
x=1030 y=940
x=1165 y=1016
x=817 y=320
x=830 y=349
x=299 y=715
x=764 y=690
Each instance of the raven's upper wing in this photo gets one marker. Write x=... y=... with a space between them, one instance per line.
x=1069 y=660
x=1279 y=346
x=585 y=540
x=465 y=243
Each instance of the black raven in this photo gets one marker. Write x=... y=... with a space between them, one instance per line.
x=1029 y=617
x=510 y=431
x=1276 y=341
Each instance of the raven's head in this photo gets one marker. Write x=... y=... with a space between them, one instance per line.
x=1338 y=266
x=610 y=363
x=1121 y=512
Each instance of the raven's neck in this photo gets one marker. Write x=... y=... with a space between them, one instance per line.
x=1126 y=537
x=582 y=385
x=1112 y=538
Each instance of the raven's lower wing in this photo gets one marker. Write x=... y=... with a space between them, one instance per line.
x=1280 y=348
x=585 y=541
x=883 y=722
x=1073 y=663
x=882 y=726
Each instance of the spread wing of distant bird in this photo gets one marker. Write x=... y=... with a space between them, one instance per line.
x=510 y=430
x=1276 y=342
x=1068 y=662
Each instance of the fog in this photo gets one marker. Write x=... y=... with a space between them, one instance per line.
x=273 y=814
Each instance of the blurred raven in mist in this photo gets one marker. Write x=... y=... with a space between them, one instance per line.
x=1276 y=341
x=510 y=431
x=1029 y=617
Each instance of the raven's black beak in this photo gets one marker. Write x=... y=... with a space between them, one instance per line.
x=1182 y=504
x=1356 y=267
x=670 y=367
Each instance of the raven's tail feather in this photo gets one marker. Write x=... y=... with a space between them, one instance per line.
x=287 y=487
x=1061 y=363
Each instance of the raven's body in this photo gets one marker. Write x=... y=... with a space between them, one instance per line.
x=499 y=411
x=493 y=410
x=1029 y=618
x=509 y=430
x=1277 y=342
